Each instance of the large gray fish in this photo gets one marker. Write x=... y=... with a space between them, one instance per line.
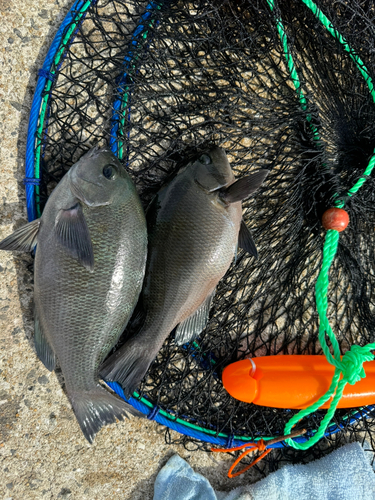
x=194 y=229
x=89 y=268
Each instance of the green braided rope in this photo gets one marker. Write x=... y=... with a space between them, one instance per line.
x=328 y=25
x=360 y=182
x=357 y=355
x=293 y=70
x=350 y=366
x=362 y=69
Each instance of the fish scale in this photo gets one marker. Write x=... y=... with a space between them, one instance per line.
x=193 y=241
x=70 y=306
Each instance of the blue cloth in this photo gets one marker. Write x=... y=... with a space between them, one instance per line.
x=178 y=481
x=345 y=474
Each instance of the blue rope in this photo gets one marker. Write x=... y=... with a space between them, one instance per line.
x=171 y=423
x=71 y=39
x=35 y=107
x=230 y=441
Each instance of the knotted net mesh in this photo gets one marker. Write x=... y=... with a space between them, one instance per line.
x=159 y=89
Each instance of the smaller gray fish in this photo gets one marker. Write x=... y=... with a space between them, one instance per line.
x=88 y=272
x=195 y=227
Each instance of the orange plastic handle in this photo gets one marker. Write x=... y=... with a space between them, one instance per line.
x=293 y=381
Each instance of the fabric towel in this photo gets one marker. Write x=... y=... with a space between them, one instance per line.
x=345 y=474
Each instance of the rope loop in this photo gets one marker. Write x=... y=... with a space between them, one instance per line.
x=46 y=74
x=153 y=412
x=351 y=364
x=261 y=446
x=230 y=441
x=31 y=180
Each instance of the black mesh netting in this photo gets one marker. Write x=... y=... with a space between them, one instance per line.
x=215 y=72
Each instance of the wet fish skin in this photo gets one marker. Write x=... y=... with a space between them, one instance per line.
x=194 y=227
x=89 y=268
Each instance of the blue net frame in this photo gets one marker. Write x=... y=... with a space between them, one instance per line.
x=121 y=112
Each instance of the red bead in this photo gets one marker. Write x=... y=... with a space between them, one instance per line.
x=335 y=218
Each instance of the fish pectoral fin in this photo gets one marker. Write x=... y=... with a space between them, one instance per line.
x=245 y=240
x=43 y=349
x=244 y=187
x=23 y=239
x=189 y=329
x=73 y=233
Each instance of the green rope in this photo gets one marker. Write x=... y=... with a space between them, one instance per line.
x=293 y=71
x=349 y=368
x=328 y=25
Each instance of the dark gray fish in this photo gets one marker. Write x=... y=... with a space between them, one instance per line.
x=89 y=268
x=194 y=229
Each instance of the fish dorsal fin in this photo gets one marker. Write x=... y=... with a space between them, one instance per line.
x=244 y=187
x=43 y=349
x=189 y=329
x=73 y=233
x=23 y=239
x=245 y=240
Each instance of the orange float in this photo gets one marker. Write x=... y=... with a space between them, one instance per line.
x=293 y=381
x=335 y=218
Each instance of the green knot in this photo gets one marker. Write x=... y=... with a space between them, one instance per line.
x=351 y=364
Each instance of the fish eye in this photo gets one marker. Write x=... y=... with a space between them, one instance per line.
x=205 y=159
x=109 y=172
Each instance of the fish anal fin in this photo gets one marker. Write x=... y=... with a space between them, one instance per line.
x=98 y=407
x=73 y=233
x=244 y=187
x=189 y=329
x=245 y=240
x=23 y=239
x=43 y=349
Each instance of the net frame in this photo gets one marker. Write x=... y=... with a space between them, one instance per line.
x=37 y=126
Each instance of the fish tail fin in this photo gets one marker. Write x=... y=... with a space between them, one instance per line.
x=98 y=407
x=128 y=365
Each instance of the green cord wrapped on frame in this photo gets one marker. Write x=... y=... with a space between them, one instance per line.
x=348 y=368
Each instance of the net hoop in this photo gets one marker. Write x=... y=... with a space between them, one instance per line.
x=38 y=123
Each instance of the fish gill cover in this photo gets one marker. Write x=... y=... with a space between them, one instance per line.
x=160 y=80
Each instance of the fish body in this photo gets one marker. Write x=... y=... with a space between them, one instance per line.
x=89 y=268
x=194 y=226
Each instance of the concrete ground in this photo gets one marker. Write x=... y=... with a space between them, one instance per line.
x=43 y=454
